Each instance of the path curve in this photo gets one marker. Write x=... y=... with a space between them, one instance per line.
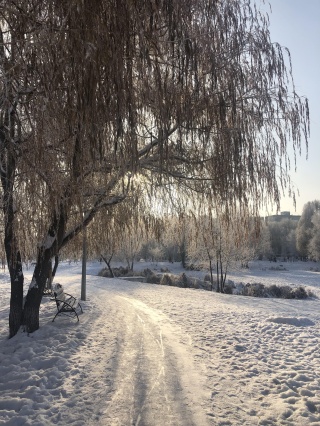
x=155 y=372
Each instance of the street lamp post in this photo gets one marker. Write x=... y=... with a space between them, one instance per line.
x=84 y=265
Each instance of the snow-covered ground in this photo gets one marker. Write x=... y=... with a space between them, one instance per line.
x=147 y=355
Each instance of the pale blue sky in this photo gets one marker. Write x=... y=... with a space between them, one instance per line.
x=296 y=25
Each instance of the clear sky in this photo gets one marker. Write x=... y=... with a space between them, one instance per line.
x=295 y=24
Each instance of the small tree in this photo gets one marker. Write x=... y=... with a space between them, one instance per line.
x=206 y=246
x=222 y=244
x=103 y=237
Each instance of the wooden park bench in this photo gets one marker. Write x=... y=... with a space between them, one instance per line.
x=66 y=304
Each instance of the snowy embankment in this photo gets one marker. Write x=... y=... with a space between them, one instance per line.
x=149 y=355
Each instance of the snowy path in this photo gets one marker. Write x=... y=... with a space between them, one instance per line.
x=153 y=382
x=131 y=361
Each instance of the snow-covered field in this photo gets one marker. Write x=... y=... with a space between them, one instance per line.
x=152 y=355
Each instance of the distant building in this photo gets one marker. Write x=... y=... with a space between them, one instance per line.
x=281 y=216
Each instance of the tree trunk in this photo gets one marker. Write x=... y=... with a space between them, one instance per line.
x=49 y=248
x=55 y=267
x=221 y=274
x=16 y=300
x=35 y=292
x=211 y=274
x=31 y=312
x=108 y=262
x=218 y=276
x=183 y=253
x=48 y=284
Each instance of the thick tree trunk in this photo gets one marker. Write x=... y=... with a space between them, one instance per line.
x=16 y=300
x=31 y=313
x=35 y=292
x=49 y=248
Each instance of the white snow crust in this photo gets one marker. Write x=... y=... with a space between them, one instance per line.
x=151 y=355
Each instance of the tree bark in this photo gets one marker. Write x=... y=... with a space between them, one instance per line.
x=34 y=296
x=49 y=248
x=16 y=300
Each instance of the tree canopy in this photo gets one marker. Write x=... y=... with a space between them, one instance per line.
x=99 y=98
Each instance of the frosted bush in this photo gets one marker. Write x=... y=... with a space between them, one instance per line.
x=166 y=280
x=254 y=290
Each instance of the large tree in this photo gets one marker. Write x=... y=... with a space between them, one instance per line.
x=96 y=95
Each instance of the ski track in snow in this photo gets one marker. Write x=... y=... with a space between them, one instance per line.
x=149 y=355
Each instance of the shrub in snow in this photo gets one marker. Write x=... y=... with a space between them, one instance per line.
x=199 y=284
x=277 y=268
x=104 y=273
x=151 y=277
x=154 y=279
x=294 y=293
x=117 y=272
x=193 y=267
x=254 y=290
x=176 y=280
x=275 y=291
x=280 y=292
x=285 y=292
x=229 y=287
x=166 y=280
x=238 y=289
x=122 y=272
x=206 y=285
x=183 y=281
x=147 y=273
x=299 y=293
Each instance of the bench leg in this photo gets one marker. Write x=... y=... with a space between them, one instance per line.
x=55 y=316
x=63 y=313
